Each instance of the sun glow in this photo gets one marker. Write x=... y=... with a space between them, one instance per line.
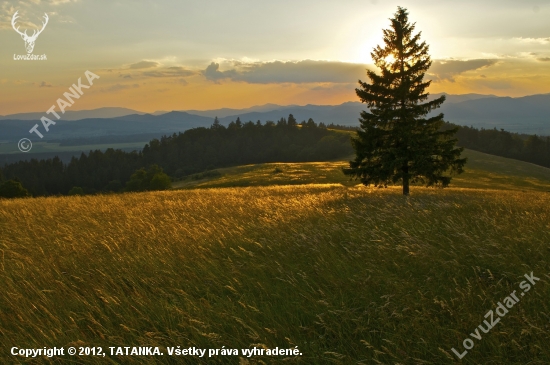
x=389 y=59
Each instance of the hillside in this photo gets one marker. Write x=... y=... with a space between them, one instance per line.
x=346 y=274
x=76 y=115
x=482 y=171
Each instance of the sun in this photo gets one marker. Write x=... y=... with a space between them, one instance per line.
x=389 y=59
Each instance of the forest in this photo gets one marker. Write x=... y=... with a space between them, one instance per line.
x=529 y=148
x=180 y=155
x=205 y=149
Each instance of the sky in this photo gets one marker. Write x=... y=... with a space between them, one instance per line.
x=181 y=55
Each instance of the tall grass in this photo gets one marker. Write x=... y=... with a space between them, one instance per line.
x=349 y=275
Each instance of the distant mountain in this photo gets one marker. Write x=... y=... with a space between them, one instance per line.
x=226 y=112
x=76 y=115
x=452 y=99
x=344 y=114
x=530 y=115
x=166 y=124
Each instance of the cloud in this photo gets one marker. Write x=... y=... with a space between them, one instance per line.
x=329 y=86
x=29 y=16
x=175 y=71
x=153 y=69
x=543 y=59
x=23 y=20
x=119 y=87
x=306 y=71
x=61 y=2
x=448 y=69
x=144 y=64
x=533 y=40
x=212 y=73
x=44 y=84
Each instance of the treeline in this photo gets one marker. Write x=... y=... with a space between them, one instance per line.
x=179 y=155
x=528 y=148
x=205 y=149
x=240 y=143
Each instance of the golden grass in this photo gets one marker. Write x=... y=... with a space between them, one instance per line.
x=481 y=172
x=350 y=275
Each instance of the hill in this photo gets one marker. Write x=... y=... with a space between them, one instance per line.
x=86 y=129
x=528 y=114
x=347 y=275
x=482 y=171
x=107 y=112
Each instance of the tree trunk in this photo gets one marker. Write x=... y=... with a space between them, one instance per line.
x=406 y=179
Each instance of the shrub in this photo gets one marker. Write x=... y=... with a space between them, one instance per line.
x=13 y=189
x=76 y=190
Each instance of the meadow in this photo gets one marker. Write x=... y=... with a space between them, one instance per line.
x=482 y=171
x=349 y=274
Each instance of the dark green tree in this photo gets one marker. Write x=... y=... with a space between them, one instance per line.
x=292 y=121
x=396 y=141
x=160 y=181
x=217 y=124
x=146 y=180
x=13 y=189
x=138 y=181
x=310 y=123
x=76 y=190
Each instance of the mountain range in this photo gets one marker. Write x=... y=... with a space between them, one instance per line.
x=107 y=112
x=529 y=114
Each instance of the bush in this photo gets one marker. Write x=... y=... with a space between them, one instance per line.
x=76 y=190
x=13 y=189
x=160 y=181
x=146 y=180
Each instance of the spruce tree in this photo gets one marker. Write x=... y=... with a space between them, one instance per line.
x=397 y=142
x=292 y=121
x=217 y=124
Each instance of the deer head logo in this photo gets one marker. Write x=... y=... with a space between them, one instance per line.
x=29 y=40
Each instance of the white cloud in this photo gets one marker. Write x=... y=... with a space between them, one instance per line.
x=274 y=72
x=143 y=64
x=448 y=69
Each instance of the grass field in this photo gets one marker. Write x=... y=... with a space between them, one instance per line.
x=482 y=171
x=348 y=274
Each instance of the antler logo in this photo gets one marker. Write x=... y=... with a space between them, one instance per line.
x=29 y=41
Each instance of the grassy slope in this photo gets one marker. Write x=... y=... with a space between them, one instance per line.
x=349 y=275
x=482 y=171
